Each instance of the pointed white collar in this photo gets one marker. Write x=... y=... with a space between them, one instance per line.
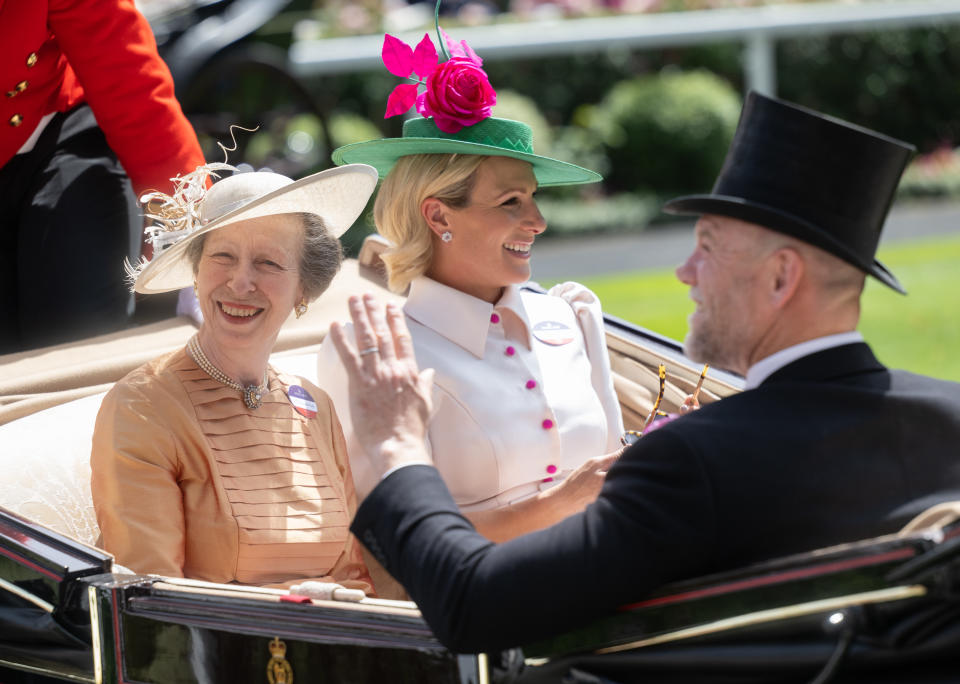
x=461 y=318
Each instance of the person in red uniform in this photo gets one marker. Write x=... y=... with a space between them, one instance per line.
x=88 y=121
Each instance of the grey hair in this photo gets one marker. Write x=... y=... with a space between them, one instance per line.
x=320 y=256
x=195 y=251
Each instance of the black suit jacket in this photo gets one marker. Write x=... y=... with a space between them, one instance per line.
x=831 y=448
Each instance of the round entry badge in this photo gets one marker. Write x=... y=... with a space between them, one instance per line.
x=553 y=333
x=302 y=402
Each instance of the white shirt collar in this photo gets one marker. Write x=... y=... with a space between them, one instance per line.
x=764 y=368
x=461 y=318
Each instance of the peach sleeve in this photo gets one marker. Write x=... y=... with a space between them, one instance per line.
x=134 y=483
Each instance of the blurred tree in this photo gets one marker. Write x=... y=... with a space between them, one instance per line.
x=903 y=83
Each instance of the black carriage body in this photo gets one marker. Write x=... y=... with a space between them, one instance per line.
x=882 y=610
x=771 y=622
x=44 y=610
x=65 y=617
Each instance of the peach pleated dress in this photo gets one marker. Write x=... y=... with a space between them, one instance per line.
x=189 y=482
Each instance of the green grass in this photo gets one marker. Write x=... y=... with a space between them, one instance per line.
x=919 y=332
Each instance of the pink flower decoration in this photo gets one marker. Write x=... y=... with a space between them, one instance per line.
x=397 y=56
x=458 y=92
x=401 y=99
x=425 y=57
x=461 y=50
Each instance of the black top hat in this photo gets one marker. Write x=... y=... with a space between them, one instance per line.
x=822 y=180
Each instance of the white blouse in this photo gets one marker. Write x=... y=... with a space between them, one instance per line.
x=522 y=389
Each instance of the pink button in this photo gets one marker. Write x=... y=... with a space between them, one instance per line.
x=494 y=318
x=547 y=479
x=547 y=424
x=510 y=351
x=531 y=384
x=551 y=469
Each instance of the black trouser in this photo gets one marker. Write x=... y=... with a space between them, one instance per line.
x=68 y=219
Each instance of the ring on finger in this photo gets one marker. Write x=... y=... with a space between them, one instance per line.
x=369 y=350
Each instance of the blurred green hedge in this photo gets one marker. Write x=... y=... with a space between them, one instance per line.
x=667 y=133
x=903 y=83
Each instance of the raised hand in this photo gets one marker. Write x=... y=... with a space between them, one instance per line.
x=390 y=399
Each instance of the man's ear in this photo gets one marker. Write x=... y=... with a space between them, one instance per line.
x=787 y=270
x=436 y=214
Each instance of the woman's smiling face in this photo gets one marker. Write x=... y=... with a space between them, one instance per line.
x=248 y=281
x=493 y=235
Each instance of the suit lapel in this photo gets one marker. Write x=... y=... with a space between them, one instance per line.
x=829 y=364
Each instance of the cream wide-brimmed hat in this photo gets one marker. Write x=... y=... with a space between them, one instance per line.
x=336 y=195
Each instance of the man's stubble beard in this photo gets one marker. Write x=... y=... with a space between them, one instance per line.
x=712 y=343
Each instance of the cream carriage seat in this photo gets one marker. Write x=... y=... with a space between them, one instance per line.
x=45 y=461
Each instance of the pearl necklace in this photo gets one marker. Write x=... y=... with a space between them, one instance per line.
x=252 y=394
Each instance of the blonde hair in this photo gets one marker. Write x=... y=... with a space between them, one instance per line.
x=447 y=177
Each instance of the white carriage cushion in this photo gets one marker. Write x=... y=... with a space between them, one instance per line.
x=45 y=461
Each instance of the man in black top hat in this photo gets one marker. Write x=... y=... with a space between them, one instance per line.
x=825 y=446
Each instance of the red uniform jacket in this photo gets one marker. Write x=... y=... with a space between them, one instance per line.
x=55 y=54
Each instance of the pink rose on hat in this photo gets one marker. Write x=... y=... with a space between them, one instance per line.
x=458 y=92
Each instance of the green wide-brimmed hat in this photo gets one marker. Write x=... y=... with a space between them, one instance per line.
x=490 y=137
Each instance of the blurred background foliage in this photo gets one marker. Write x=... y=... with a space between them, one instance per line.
x=657 y=125
x=667 y=132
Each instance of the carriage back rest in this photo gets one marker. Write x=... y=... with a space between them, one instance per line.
x=45 y=461
x=637 y=382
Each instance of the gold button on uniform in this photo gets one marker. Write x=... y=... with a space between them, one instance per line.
x=16 y=120
x=31 y=59
x=17 y=89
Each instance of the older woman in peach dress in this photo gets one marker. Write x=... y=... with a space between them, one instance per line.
x=207 y=462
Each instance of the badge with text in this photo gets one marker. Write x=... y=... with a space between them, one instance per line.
x=553 y=333
x=302 y=401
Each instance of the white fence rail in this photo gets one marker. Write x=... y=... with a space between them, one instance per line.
x=758 y=28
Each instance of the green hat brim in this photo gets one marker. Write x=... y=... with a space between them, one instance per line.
x=382 y=154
